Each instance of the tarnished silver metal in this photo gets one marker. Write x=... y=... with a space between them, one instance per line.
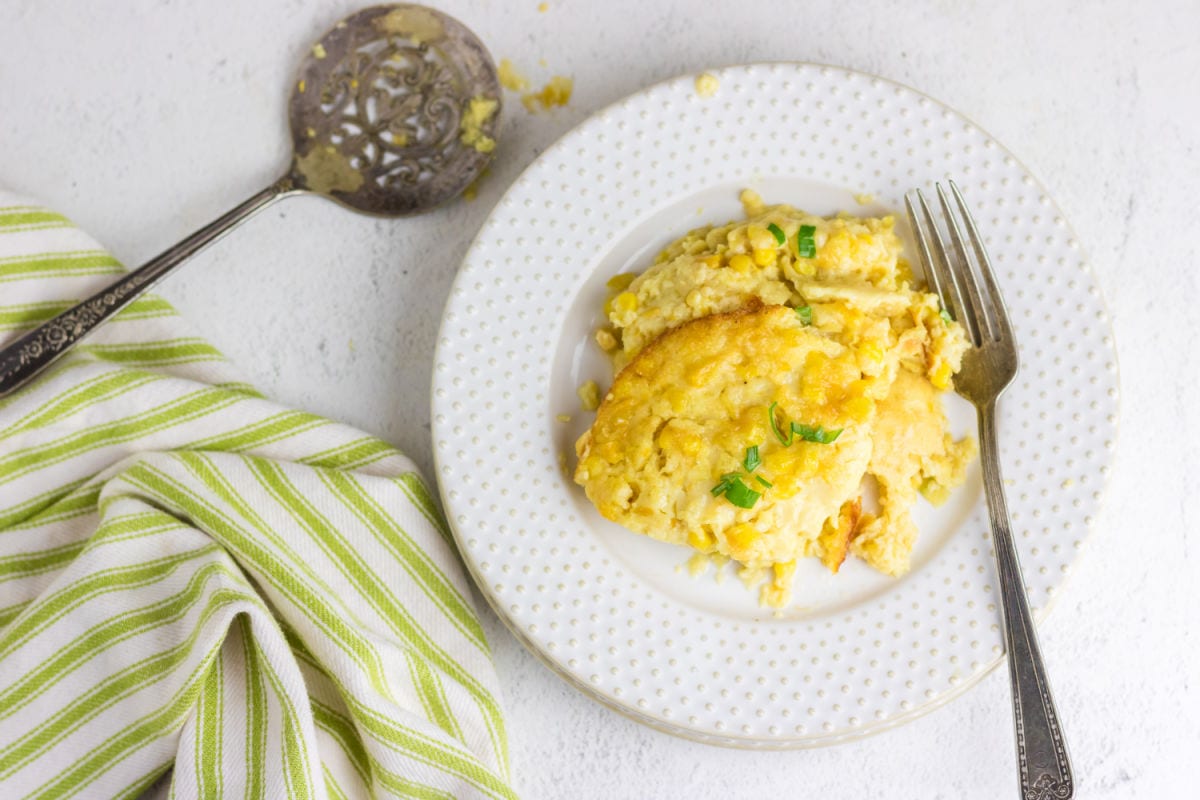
x=963 y=278
x=394 y=112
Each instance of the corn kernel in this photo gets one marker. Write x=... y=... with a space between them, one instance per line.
x=741 y=536
x=764 y=258
x=858 y=408
x=741 y=263
x=677 y=398
x=939 y=376
x=810 y=459
x=703 y=372
x=611 y=452
x=702 y=540
x=760 y=238
x=680 y=441
x=626 y=302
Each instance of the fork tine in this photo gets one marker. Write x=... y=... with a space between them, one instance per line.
x=999 y=311
x=926 y=257
x=938 y=267
x=968 y=279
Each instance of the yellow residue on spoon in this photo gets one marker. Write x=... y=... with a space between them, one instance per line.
x=326 y=170
x=474 y=117
x=418 y=24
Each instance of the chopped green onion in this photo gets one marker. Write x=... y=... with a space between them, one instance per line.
x=806 y=246
x=777 y=232
x=752 y=459
x=945 y=315
x=818 y=434
x=726 y=479
x=804 y=313
x=740 y=494
x=763 y=481
x=775 y=427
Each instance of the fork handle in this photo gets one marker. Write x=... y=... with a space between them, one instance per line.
x=1041 y=750
x=38 y=349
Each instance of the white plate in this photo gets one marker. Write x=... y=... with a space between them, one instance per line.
x=611 y=611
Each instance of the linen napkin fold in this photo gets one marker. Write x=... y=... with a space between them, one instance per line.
x=192 y=576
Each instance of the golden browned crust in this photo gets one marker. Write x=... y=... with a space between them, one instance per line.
x=650 y=354
x=836 y=536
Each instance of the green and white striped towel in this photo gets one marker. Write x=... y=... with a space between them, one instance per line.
x=193 y=576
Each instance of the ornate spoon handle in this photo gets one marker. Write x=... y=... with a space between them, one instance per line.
x=39 y=348
x=1041 y=749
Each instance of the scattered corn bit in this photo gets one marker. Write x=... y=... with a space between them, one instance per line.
x=589 y=396
x=606 y=340
x=563 y=418
x=706 y=85
x=698 y=564
x=543 y=7
x=752 y=202
x=864 y=198
x=318 y=51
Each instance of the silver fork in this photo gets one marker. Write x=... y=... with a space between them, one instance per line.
x=967 y=288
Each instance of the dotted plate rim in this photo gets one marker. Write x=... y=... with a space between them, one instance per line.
x=473 y=504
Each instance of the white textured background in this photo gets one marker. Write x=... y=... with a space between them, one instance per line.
x=142 y=121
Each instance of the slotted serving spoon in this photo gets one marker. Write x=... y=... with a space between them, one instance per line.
x=394 y=113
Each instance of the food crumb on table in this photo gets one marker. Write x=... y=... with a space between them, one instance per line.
x=556 y=92
x=510 y=78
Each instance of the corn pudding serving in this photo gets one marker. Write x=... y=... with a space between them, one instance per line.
x=766 y=371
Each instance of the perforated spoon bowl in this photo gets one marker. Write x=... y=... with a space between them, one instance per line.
x=394 y=113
